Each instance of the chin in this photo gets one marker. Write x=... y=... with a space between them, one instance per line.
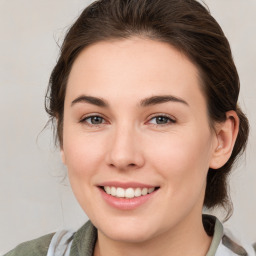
x=128 y=236
x=126 y=231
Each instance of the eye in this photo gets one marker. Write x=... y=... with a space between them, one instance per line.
x=162 y=120
x=93 y=120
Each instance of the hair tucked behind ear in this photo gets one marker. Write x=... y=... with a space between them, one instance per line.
x=184 y=24
x=217 y=184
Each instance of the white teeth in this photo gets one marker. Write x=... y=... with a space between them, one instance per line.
x=127 y=193
x=108 y=190
x=120 y=192
x=113 y=191
x=137 y=192
x=150 y=190
x=144 y=191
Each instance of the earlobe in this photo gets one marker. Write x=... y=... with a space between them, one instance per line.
x=62 y=154
x=226 y=134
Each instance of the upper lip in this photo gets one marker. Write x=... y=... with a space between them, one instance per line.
x=125 y=184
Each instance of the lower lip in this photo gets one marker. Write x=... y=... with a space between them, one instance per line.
x=124 y=203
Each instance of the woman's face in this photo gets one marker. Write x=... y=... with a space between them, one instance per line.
x=135 y=120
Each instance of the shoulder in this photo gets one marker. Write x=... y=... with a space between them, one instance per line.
x=84 y=240
x=60 y=243
x=36 y=247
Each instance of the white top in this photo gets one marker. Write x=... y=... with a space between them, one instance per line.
x=60 y=244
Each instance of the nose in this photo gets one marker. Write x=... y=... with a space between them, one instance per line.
x=125 y=150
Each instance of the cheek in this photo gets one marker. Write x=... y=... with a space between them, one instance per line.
x=183 y=159
x=83 y=160
x=83 y=154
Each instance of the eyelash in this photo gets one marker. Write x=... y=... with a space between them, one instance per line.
x=169 y=119
x=90 y=117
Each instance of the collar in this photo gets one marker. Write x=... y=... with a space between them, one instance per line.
x=85 y=238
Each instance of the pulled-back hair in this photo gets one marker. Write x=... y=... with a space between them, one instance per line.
x=185 y=24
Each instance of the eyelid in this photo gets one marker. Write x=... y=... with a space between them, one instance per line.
x=83 y=119
x=172 y=120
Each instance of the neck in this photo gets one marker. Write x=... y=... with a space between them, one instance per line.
x=187 y=238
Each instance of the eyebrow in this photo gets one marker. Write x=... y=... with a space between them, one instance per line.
x=153 y=100
x=91 y=100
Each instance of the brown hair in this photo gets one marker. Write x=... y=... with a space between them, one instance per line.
x=184 y=24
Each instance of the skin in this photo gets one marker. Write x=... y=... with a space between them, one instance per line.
x=130 y=145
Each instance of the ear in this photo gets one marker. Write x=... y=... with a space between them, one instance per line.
x=226 y=134
x=62 y=154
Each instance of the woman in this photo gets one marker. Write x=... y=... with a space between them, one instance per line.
x=144 y=95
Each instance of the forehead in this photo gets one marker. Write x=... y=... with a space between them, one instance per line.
x=133 y=67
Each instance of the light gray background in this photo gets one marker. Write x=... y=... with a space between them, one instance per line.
x=33 y=200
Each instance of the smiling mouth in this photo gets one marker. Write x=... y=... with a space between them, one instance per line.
x=128 y=193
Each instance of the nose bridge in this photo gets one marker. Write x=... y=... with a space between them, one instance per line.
x=124 y=149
